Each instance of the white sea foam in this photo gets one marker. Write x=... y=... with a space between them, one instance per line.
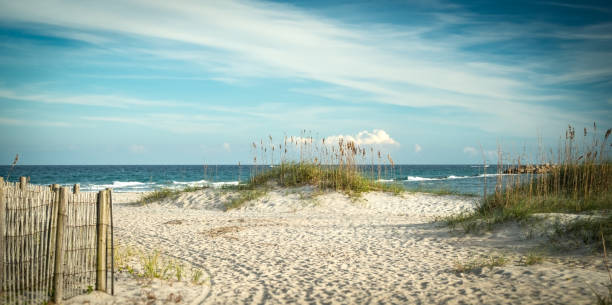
x=451 y=177
x=135 y=186
x=191 y=183
x=417 y=178
x=204 y=183
x=118 y=185
x=127 y=184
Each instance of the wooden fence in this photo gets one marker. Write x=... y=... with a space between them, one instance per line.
x=54 y=243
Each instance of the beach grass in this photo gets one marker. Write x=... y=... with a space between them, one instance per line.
x=168 y=193
x=243 y=197
x=587 y=231
x=340 y=178
x=323 y=177
x=153 y=265
x=476 y=265
x=339 y=165
x=579 y=182
x=440 y=191
x=532 y=258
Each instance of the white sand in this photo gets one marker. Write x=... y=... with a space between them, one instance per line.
x=290 y=247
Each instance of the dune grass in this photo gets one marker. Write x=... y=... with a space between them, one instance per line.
x=478 y=264
x=153 y=265
x=336 y=178
x=326 y=177
x=440 y=191
x=168 y=193
x=243 y=197
x=532 y=258
x=579 y=182
x=339 y=164
x=327 y=165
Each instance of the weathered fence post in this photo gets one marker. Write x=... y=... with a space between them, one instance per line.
x=112 y=237
x=55 y=187
x=76 y=188
x=101 y=242
x=23 y=182
x=2 y=228
x=58 y=273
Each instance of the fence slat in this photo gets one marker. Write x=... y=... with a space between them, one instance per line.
x=58 y=274
x=2 y=233
x=112 y=236
x=23 y=182
x=101 y=241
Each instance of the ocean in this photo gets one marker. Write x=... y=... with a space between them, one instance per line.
x=465 y=179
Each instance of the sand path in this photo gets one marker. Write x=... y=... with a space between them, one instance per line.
x=329 y=250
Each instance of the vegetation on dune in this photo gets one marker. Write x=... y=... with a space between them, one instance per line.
x=478 y=264
x=298 y=161
x=578 y=182
x=339 y=178
x=244 y=196
x=339 y=166
x=441 y=191
x=168 y=193
x=153 y=265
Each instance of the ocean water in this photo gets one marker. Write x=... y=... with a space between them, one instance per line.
x=466 y=179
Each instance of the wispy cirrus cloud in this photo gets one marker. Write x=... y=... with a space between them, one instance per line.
x=579 y=6
x=173 y=123
x=395 y=64
x=22 y=122
x=114 y=101
x=247 y=66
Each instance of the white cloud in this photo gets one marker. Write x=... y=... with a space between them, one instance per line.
x=470 y=150
x=226 y=147
x=417 y=148
x=377 y=136
x=137 y=149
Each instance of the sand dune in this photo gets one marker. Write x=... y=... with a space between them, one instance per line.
x=292 y=247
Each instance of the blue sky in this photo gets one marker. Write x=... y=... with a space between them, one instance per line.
x=193 y=82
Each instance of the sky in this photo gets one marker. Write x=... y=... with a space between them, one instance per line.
x=196 y=82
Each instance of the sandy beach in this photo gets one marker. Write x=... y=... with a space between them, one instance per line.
x=296 y=246
x=305 y=152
